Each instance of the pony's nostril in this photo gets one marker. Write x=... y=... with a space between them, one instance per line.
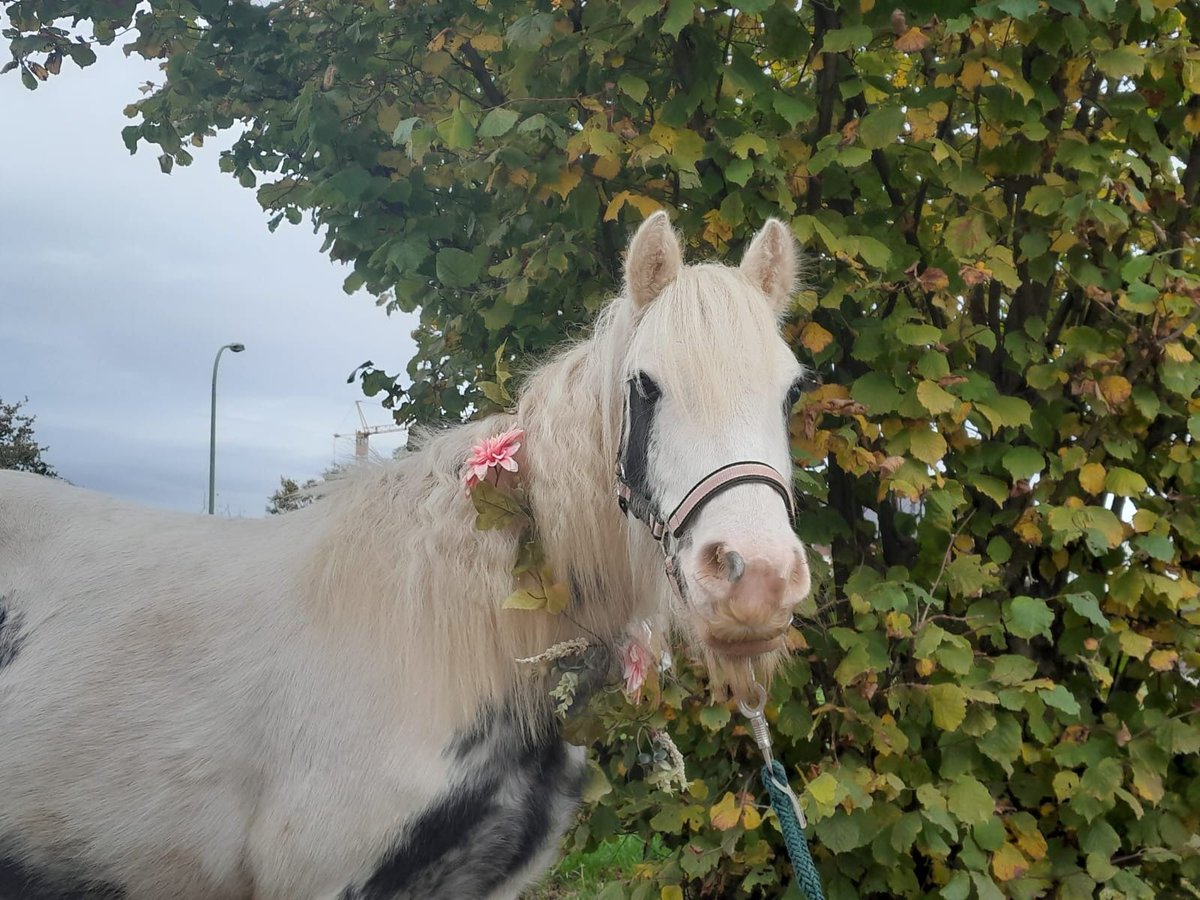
x=734 y=565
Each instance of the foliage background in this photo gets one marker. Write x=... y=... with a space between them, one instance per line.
x=995 y=693
x=19 y=447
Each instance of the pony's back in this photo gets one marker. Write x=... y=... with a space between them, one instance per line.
x=134 y=653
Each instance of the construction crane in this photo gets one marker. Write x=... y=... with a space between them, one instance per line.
x=362 y=435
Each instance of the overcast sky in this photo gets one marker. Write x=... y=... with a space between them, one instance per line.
x=119 y=283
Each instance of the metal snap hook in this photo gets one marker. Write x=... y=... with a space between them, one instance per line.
x=758 y=721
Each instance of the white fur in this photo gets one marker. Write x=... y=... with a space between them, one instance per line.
x=207 y=708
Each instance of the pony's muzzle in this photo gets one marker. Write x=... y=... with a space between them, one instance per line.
x=746 y=594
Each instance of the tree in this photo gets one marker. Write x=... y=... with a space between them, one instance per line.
x=19 y=448
x=995 y=694
x=292 y=495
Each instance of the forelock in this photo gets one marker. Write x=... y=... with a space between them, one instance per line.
x=708 y=337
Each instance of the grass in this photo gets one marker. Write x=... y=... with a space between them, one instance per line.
x=582 y=876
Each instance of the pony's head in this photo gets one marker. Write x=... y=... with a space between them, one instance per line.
x=704 y=455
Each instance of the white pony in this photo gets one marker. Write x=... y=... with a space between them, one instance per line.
x=327 y=704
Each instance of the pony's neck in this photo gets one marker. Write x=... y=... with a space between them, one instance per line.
x=403 y=585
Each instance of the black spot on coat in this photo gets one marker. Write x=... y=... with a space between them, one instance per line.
x=485 y=830
x=11 y=635
x=21 y=881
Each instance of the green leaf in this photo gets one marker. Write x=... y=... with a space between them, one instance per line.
x=793 y=109
x=497 y=122
x=1005 y=411
x=746 y=144
x=843 y=39
x=633 y=87
x=877 y=392
x=881 y=127
x=927 y=446
x=1023 y=462
x=1125 y=482
x=1027 y=617
x=967 y=237
x=496 y=508
x=969 y=801
x=679 y=14
x=457 y=268
x=916 y=334
x=528 y=32
x=1123 y=62
x=1060 y=698
x=948 y=704
x=714 y=718
x=1087 y=606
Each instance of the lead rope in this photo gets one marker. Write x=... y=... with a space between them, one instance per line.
x=784 y=801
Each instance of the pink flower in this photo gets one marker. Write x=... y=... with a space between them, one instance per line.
x=494 y=452
x=635 y=663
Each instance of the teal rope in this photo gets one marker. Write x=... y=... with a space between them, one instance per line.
x=774 y=777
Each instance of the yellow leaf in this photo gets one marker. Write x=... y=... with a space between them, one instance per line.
x=614 y=206
x=647 y=206
x=487 y=42
x=1176 y=352
x=815 y=338
x=671 y=892
x=1144 y=520
x=1032 y=843
x=1064 y=242
x=823 y=789
x=606 y=167
x=922 y=125
x=1065 y=783
x=716 y=230
x=1091 y=478
x=1116 y=389
x=566 y=181
x=1008 y=863
x=1147 y=785
x=912 y=41
x=935 y=398
x=927 y=446
x=725 y=813
x=523 y=599
x=1163 y=660
x=751 y=817
x=1134 y=644
x=972 y=74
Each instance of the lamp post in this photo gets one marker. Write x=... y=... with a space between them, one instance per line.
x=212 y=434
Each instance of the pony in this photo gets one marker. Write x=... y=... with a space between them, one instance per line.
x=328 y=704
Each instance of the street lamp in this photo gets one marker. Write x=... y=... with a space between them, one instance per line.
x=212 y=434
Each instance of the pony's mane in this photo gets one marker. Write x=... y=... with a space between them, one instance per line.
x=402 y=566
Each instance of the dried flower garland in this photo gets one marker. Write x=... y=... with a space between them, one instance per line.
x=501 y=502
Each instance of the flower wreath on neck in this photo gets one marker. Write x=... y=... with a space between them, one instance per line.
x=491 y=477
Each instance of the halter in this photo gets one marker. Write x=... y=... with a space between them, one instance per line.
x=634 y=498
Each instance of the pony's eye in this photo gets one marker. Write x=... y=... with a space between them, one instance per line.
x=647 y=386
x=799 y=386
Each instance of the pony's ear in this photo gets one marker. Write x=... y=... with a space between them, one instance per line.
x=654 y=259
x=770 y=263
